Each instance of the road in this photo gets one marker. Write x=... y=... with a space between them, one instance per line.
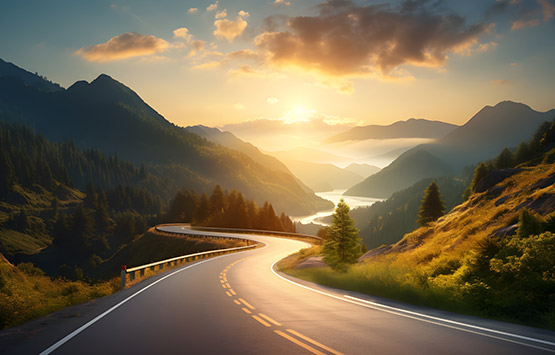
x=237 y=304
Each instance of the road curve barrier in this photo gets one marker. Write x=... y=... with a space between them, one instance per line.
x=175 y=261
x=202 y=232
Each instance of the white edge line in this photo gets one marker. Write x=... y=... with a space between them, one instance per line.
x=97 y=318
x=415 y=316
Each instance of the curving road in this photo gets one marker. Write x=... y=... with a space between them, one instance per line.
x=237 y=304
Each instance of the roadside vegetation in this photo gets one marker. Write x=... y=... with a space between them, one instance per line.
x=492 y=256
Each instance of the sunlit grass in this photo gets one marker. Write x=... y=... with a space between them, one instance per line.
x=445 y=265
x=26 y=293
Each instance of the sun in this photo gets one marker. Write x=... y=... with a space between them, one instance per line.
x=298 y=113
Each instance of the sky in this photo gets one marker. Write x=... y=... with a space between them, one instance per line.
x=354 y=63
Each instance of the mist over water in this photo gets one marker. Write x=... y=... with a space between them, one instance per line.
x=335 y=196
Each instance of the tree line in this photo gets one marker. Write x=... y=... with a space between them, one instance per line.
x=539 y=149
x=226 y=209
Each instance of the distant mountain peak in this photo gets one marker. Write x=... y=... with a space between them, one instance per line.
x=411 y=128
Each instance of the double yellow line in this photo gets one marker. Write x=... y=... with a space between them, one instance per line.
x=289 y=334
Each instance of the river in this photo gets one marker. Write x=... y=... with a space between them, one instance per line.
x=334 y=196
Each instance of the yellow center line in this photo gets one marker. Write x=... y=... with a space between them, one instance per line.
x=246 y=303
x=232 y=292
x=224 y=286
x=299 y=343
x=261 y=321
x=228 y=285
x=229 y=294
x=314 y=342
x=246 y=310
x=270 y=319
x=222 y=281
x=237 y=302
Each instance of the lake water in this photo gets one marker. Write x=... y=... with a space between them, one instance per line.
x=334 y=196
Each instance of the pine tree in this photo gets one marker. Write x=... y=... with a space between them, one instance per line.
x=202 y=211
x=90 y=200
x=505 y=159
x=432 y=206
x=342 y=245
x=217 y=201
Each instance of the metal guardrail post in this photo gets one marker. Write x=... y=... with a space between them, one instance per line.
x=122 y=274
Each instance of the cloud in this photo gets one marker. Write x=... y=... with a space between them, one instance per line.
x=195 y=45
x=221 y=14
x=231 y=29
x=519 y=24
x=124 y=46
x=212 y=7
x=272 y=100
x=548 y=8
x=192 y=10
x=373 y=40
x=502 y=82
x=239 y=107
x=281 y=2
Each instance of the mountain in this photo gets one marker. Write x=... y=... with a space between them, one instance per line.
x=487 y=132
x=403 y=172
x=363 y=170
x=411 y=128
x=323 y=177
x=107 y=115
x=10 y=70
x=481 y=138
x=229 y=140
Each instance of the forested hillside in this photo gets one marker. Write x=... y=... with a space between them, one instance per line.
x=107 y=115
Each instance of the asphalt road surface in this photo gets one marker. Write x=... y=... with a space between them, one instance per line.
x=238 y=304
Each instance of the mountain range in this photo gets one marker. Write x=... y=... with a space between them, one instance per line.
x=411 y=128
x=107 y=115
x=480 y=139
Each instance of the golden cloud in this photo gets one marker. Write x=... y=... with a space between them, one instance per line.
x=350 y=40
x=221 y=14
x=212 y=7
x=124 y=46
x=230 y=29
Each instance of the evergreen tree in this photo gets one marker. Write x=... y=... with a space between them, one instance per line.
x=217 y=201
x=202 y=211
x=505 y=159
x=82 y=226
x=90 y=200
x=522 y=153
x=342 y=245
x=431 y=207
x=528 y=224
x=481 y=171
x=102 y=220
x=253 y=213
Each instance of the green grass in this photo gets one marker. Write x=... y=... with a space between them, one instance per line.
x=13 y=242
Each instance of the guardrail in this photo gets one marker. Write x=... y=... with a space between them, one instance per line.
x=197 y=232
x=175 y=261
x=260 y=231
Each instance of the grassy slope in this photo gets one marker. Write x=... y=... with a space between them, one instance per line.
x=428 y=266
x=26 y=293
